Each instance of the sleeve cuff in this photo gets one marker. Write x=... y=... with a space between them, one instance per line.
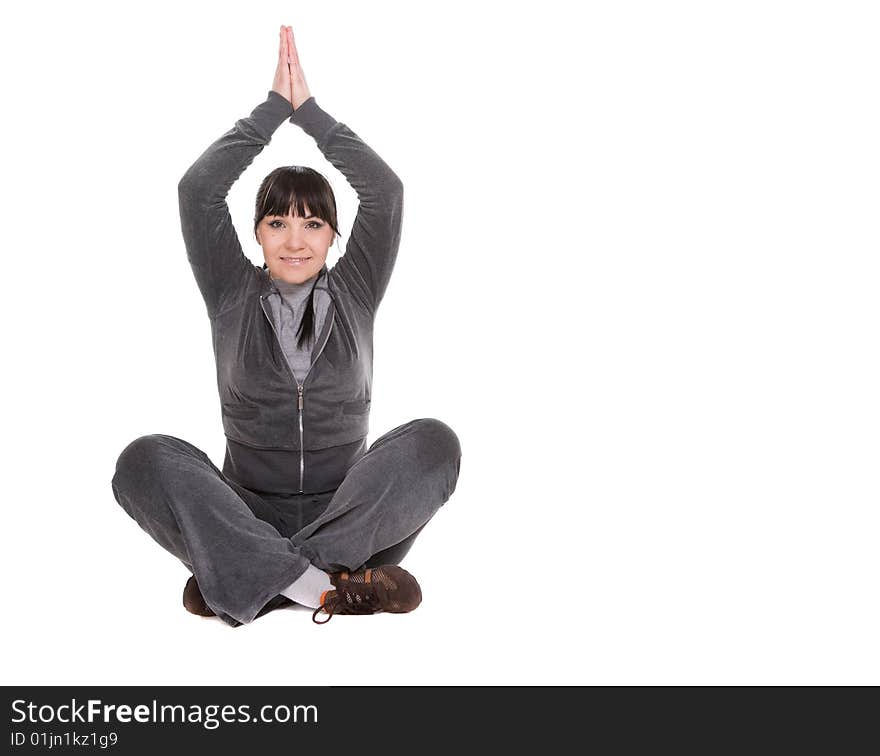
x=312 y=119
x=271 y=113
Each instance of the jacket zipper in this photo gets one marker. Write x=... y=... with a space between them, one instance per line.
x=300 y=387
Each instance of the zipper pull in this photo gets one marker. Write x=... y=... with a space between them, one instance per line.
x=299 y=389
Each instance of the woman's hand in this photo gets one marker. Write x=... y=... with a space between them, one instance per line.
x=299 y=90
x=281 y=85
x=290 y=81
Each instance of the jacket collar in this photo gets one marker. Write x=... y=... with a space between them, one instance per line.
x=267 y=289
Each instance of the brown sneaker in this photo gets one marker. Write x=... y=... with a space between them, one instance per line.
x=194 y=602
x=388 y=588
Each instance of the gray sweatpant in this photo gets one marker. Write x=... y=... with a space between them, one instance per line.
x=245 y=546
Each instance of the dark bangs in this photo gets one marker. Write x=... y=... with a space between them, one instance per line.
x=295 y=188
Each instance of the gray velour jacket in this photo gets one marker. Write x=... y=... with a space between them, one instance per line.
x=282 y=436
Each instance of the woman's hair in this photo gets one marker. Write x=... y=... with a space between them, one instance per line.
x=294 y=188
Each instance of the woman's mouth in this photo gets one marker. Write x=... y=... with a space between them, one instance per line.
x=295 y=260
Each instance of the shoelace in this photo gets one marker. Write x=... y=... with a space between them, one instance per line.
x=353 y=602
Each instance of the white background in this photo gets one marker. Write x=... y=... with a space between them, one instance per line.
x=638 y=276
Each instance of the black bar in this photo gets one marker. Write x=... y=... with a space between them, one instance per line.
x=414 y=719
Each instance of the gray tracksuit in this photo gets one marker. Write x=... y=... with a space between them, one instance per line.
x=261 y=416
x=298 y=483
x=288 y=303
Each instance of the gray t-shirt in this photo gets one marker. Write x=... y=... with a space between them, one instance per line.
x=288 y=302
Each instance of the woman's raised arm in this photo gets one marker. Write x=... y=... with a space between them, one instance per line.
x=372 y=247
x=212 y=246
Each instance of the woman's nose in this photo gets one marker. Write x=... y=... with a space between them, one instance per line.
x=295 y=240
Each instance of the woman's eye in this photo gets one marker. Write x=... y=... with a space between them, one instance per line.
x=312 y=224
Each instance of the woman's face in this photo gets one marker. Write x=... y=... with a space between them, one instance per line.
x=287 y=239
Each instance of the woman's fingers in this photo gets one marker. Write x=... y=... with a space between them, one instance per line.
x=291 y=44
x=281 y=84
x=295 y=79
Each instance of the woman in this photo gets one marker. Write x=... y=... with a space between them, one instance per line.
x=302 y=511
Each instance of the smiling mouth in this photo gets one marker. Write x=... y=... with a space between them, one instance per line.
x=295 y=259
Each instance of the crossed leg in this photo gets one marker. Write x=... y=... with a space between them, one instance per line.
x=234 y=541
